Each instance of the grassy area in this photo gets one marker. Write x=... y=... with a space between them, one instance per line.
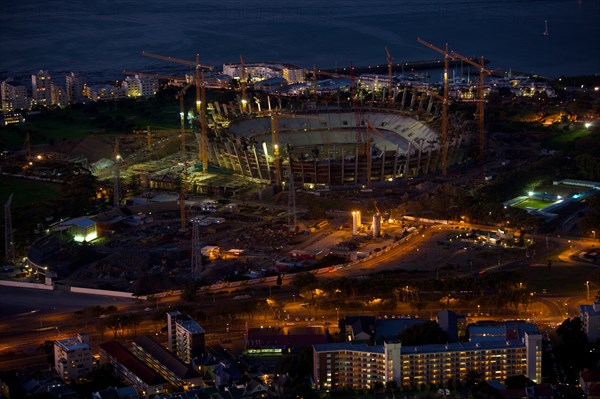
x=26 y=192
x=115 y=117
x=566 y=140
x=533 y=203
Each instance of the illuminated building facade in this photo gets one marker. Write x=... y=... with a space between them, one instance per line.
x=73 y=357
x=136 y=86
x=343 y=365
x=13 y=97
x=256 y=71
x=165 y=363
x=41 y=87
x=185 y=337
x=131 y=369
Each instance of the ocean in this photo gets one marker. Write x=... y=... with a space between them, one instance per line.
x=101 y=38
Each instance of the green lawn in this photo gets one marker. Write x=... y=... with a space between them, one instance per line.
x=565 y=140
x=533 y=203
x=26 y=192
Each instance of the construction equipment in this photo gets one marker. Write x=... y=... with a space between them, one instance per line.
x=389 y=63
x=9 y=240
x=117 y=175
x=243 y=82
x=200 y=100
x=292 y=217
x=181 y=96
x=480 y=100
x=447 y=57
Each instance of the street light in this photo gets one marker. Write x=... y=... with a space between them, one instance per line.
x=587 y=284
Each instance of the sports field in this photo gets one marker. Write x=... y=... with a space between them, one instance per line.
x=533 y=203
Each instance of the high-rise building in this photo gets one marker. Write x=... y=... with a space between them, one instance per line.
x=73 y=357
x=360 y=366
x=13 y=97
x=185 y=337
x=74 y=88
x=41 y=87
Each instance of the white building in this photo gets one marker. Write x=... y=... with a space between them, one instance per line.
x=137 y=86
x=73 y=357
x=13 y=97
x=74 y=88
x=184 y=336
x=256 y=71
x=41 y=87
x=360 y=366
x=590 y=316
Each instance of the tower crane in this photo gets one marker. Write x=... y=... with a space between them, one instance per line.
x=480 y=99
x=447 y=57
x=181 y=96
x=243 y=82
x=117 y=175
x=389 y=64
x=200 y=99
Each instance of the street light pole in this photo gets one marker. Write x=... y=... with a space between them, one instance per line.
x=587 y=284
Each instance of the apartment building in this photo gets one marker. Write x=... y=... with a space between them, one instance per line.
x=256 y=71
x=41 y=87
x=131 y=369
x=13 y=97
x=342 y=365
x=165 y=363
x=74 y=88
x=137 y=86
x=73 y=357
x=185 y=337
x=590 y=316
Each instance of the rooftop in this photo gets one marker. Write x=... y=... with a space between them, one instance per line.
x=132 y=363
x=166 y=358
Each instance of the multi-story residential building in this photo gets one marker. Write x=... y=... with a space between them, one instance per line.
x=59 y=96
x=185 y=336
x=73 y=357
x=104 y=92
x=165 y=363
x=74 y=88
x=137 y=86
x=13 y=97
x=131 y=369
x=41 y=87
x=590 y=316
x=256 y=71
x=359 y=366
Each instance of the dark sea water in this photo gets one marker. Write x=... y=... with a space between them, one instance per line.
x=102 y=37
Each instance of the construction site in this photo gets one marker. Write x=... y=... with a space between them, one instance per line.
x=240 y=190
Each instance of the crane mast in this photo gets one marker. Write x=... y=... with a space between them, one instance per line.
x=445 y=102
x=243 y=82
x=480 y=100
x=200 y=100
x=389 y=64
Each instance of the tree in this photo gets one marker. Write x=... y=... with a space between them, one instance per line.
x=518 y=382
x=303 y=280
x=425 y=333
